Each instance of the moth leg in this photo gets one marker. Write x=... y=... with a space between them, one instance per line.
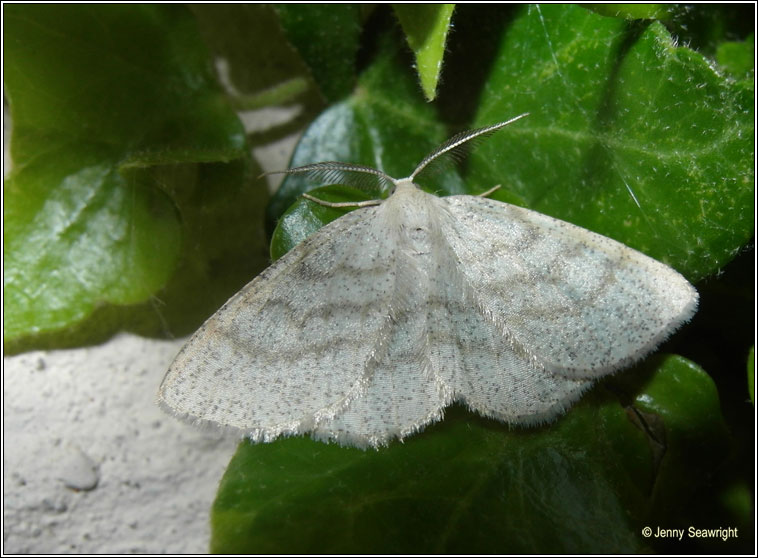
x=366 y=203
x=488 y=192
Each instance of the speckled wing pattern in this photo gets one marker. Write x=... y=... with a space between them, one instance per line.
x=291 y=347
x=368 y=329
x=575 y=302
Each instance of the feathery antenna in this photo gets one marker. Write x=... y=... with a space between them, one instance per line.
x=334 y=172
x=366 y=178
x=459 y=142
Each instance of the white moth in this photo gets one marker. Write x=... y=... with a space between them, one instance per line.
x=368 y=329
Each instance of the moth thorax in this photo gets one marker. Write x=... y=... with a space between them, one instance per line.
x=417 y=225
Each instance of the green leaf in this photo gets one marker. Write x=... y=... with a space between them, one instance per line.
x=472 y=485
x=683 y=395
x=384 y=125
x=737 y=57
x=677 y=405
x=305 y=217
x=628 y=136
x=426 y=27
x=737 y=498
x=99 y=95
x=631 y=11
x=89 y=239
x=515 y=489
x=704 y=27
x=685 y=399
x=326 y=35
x=467 y=485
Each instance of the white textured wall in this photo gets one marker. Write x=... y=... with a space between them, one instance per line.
x=87 y=418
x=91 y=464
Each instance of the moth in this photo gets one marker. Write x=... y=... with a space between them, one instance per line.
x=367 y=330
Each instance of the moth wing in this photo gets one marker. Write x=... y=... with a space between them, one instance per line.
x=572 y=301
x=472 y=357
x=490 y=377
x=291 y=347
x=401 y=395
x=402 y=392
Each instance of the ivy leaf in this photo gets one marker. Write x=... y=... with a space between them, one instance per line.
x=703 y=28
x=385 y=125
x=737 y=57
x=628 y=136
x=101 y=96
x=327 y=37
x=492 y=489
x=472 y=485
x=631 y=11
x=305 y=217
x=466 y=485
x=666 y=170
x=678 y=405
x=426 y=27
